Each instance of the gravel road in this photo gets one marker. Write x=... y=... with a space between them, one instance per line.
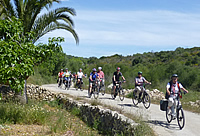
x=154 y=116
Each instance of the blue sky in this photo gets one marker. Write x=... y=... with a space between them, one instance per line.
x=127 y=27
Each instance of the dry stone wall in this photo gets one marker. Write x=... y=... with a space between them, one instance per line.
x=105 y=121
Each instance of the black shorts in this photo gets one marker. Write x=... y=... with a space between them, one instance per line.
x=80 y=79
x=114 y=84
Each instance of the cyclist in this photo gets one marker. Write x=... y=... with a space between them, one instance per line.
x=67 y=76
x=93 y=77
x=74 y=77
x=60 y=76
x=79 y=76
x=101 y=76
x=173 y=88
x=139 y=84
x=116 y=75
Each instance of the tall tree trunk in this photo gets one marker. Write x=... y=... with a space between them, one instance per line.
x=25 y=93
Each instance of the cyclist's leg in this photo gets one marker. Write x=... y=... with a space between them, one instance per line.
x=98 y=84
x=139 y=91
x=90 y=82
x=171 y=104
x=143 y=91
x=102 y=82
x=65 y=80
x=114 y=86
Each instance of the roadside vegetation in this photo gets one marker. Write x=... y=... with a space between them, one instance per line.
x=157 y=67
x=40 y=118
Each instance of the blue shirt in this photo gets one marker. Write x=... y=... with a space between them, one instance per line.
x=94 y=76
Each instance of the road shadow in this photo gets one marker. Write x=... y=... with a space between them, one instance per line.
x=103 y=98
x=171 y=126
x=84 y=96
x=128 y=105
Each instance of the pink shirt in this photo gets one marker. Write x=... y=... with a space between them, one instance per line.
x=101 y=74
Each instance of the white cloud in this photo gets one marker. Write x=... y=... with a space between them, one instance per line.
x=134 y=28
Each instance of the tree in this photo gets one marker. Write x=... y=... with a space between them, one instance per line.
x=28 y=11
x=18 y=54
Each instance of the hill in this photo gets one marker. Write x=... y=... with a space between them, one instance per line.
x=157 y=67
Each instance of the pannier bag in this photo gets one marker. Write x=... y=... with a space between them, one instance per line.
x=163 y=104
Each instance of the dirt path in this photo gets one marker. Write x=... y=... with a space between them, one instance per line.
x=153 y=115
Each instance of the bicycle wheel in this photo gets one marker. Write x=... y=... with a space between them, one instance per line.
x=96 y=93
x=135 y=98
x=112 y=93
x=102 y=90
x=146 y=100
x=76 y=86
x=68 y=85
x=121 y=94
x=168 y=115
x=89 y=92
x=180 y=118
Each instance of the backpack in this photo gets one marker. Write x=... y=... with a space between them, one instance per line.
x=167 y=95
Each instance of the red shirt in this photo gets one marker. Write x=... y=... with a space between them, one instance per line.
x=61 y=74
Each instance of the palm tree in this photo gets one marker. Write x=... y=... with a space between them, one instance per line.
x=28 y=11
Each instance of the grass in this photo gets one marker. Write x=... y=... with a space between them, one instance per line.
x=48 y=117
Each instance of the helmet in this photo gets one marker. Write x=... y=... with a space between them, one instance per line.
x=99 y=68
x=61 y=69
x=140 y=72
x=118 y=68
x=174 y=75
x=94 y=70
x=80 y=69
x=66 y=69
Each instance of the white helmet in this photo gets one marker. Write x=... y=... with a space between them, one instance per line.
x=99 y=68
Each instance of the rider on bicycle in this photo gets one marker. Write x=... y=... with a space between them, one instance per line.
x=101 y=76
x=74 y=76
x=116 y=75
x=60 y=76
x=139 y=84
x=67 y=76
x=173 y=88
x=79 y=76
x=93 y=77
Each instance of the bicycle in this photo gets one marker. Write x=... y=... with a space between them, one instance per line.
x=67 y=84
x=146 y=100
x=94 y=90
x=119 y=90
x=102 y=88
x=179 y=112
x=60 y=82
x=79 y=85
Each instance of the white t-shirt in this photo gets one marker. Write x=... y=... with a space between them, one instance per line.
x=174 y=89
x=80 y=74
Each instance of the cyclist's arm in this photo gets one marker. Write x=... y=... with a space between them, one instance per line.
x=147 y=82
x=91 y=77
x=103 y=76
x=184 y=89
x=123 y=78
x=114 y=78
x=167 y=89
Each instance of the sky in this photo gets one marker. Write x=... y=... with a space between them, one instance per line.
x=127 y=27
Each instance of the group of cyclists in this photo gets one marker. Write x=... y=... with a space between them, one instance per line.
x=172 y=88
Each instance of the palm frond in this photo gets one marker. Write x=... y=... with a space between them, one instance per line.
x=9 y=10
x=35 y=9
x=48 y=18
x=66 y=9
x=54 y=26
